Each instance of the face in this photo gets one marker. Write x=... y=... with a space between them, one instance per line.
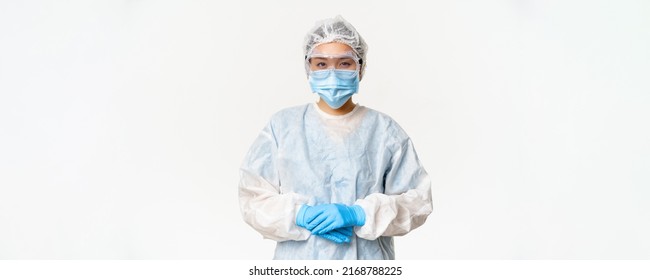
x=333 y=56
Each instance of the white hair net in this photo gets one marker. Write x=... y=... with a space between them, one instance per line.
x=338 y=30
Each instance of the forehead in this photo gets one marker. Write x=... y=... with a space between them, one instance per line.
x=333 y=48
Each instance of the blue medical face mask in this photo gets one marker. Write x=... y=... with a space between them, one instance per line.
x=334 y=86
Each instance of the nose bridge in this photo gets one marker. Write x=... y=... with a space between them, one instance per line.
x=332 y=62
x=331 y=76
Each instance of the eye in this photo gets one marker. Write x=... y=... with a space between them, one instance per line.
x=318 y=63
x=346 y=64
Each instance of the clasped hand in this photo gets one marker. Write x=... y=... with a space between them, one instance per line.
x=331 y=221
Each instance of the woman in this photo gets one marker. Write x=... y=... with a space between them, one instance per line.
x=333 y=179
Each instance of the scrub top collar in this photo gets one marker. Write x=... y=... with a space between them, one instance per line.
x=333 y=117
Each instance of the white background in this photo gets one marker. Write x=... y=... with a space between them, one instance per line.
x=123 y=123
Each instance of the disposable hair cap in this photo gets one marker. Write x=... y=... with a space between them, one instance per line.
x=338 y=30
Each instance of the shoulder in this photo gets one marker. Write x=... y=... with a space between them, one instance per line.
x=281 y=121
x=385 y=127
x=386 y=123
x=288 y=117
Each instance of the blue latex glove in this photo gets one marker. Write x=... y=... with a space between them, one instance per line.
x=305 y=211
x=339 y=235
x=327 y=217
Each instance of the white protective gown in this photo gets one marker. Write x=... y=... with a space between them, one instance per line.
x=305 y=155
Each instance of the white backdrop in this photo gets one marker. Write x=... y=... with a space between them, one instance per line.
x=123 y=123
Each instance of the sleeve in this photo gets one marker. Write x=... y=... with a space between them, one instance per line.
x=406 y=201
x=261 y=202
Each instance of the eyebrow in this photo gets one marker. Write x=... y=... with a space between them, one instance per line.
x=331 y=58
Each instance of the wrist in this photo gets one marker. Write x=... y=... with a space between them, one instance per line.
x=359 y=214
x=300 y=218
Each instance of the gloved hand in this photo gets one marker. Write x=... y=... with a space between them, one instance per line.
x=304 y=212
x=327 y=217
x=339 y=235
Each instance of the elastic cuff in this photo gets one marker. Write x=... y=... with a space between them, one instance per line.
x=300 y=219
x=360 y=214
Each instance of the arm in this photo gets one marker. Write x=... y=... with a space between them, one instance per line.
x=406 y=201
x=261 y=202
